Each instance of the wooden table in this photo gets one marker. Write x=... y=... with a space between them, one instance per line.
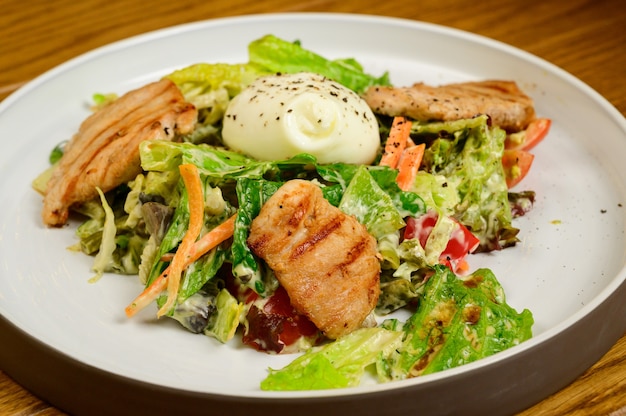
x=585 y=37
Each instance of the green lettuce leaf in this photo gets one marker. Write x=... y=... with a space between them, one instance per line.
x=278 y=55
x=371 y=205
x=468 y=153
x=246 y=267
x=458 y=320
x=341 y=363
x=223 y=324
x=210 y=87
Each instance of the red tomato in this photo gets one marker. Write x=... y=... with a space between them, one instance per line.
x=534 y=133
x=516 y=163
x=462 y=242
x=421 y=227
x=274 y=325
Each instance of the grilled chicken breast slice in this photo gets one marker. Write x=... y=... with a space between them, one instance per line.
x=105 y=151
x=326 y=260
x=506 y=104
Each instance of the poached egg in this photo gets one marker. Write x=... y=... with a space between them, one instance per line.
x=279 y=116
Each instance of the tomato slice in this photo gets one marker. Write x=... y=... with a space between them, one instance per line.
x=516 y=163
x=529 y=138
x=275 y=326
x=421 y=227
x=462 y=242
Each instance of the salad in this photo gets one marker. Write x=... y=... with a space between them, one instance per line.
x=275 y=201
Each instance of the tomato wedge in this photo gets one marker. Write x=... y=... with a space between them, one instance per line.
x=461 y=243
x=516 y=163
x=529 y=138
x=273 y=325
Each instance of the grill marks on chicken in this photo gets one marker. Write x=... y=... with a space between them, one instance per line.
x=506 y=104
x=105 y=151
x=326 y=260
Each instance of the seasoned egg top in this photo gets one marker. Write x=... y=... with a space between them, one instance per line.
x=281 y=115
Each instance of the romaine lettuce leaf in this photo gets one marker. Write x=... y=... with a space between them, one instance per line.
x=371 y=205
x=246 y=267
x=341 y=363
x=202 y=77
x=278 y=55
x=458 y=320
x=210 y=87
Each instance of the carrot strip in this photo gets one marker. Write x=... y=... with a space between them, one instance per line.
x=396 y=142
x=409 y=165
x=148 y=295
x=193 y=184
x=209 y=241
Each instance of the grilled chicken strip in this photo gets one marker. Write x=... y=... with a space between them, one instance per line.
x=508 y=107
x=105 y=151
x=326 y=260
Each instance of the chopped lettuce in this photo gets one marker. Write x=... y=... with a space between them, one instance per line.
x=107 y=245
x=438 y=194
x=468 y=154
x=212 y=311
x=371 y=205
x=217 y=163
x=223 y=324
x=116 y=247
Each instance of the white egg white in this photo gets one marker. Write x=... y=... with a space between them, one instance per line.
x=282 y=115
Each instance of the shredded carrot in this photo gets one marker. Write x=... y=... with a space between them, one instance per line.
x=209 y=241
x=193 y=184
x=396 y=142
x=170 y=278
x=409 y=164
x=217 y=235
x=148 y=295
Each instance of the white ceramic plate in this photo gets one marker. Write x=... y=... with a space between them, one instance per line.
x=568 y=268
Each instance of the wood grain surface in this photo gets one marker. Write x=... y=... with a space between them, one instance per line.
x=585 y=37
